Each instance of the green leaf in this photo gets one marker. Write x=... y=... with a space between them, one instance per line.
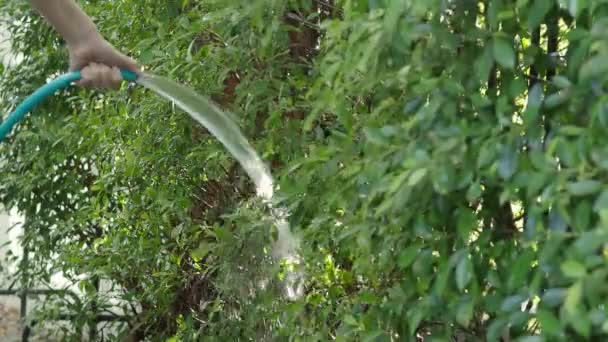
x=414 y=317
x=512 y=303
x=517 y=87
x=576 y=7
x=535 y=99
x=580 y=52
x=408 y=255
x=496 y=329
x=556 y=220
x=557 y=99
x=582 y=325
x=520 y=269
x=570 y=130
x=146 y=57
x=538 y=12
x=443 y=176
x=441 y=281
x=582 y=216
x=584 y=187
x=464 y=314
x=483 y=64
x=573 y=269
x=223 y=234
x=375 y=136
x=601 y=203
x=350 y=320
x=397 y=182
x=531 y=339
x=486 y=154
x=591 y=241
x=467 y=221
x=503 y=53
x=594 y=67
x=553 y=297
x=573 y=298
x=372 y=336
x=368 y=297
x=536 y=183
x=494 y=8
x=464 y=272
x=417 y=176
x=508 y=162
x=474 y=192
x=201 y=251
x=562 y=82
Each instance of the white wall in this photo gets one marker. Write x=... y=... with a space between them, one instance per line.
x=3 y=229
x=6 y=221
x=9 y=306
x=6 y=56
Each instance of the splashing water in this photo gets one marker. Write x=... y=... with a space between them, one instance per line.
x=228 y=133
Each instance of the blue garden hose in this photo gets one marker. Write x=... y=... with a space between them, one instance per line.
x=60 y=83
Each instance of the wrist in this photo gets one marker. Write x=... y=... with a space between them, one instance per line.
x=83 y=38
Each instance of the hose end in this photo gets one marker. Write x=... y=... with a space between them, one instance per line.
x=129 y=75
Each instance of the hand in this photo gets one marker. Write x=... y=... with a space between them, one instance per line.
x=99 y=62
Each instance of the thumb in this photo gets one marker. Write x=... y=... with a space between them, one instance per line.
x=117 y=59
x=79 y=59
x=75 y=65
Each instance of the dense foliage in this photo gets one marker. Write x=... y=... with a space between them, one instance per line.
x=444 y=162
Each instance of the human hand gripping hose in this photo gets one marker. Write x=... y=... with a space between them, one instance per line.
x=49 y=89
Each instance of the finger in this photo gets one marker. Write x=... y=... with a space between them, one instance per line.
x=122 y=61
x=77 y=62
x=85 y=83
x=111 y=77
x=128 y=63
x=108 y=79
x=91 y=76
x=97 y=75
x=76 y=65
x=116 y=78
x=103 y=81
x=86 y=75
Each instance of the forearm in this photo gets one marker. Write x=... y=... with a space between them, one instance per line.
x=67 y=18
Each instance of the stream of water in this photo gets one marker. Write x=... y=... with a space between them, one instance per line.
x=228 y=133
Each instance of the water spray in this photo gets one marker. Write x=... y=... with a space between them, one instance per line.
x=220 y=125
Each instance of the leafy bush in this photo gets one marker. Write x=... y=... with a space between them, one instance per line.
x=443 y=161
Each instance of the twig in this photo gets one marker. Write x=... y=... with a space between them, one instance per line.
x=303 y=21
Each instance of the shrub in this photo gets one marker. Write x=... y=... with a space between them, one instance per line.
x=443 y=161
